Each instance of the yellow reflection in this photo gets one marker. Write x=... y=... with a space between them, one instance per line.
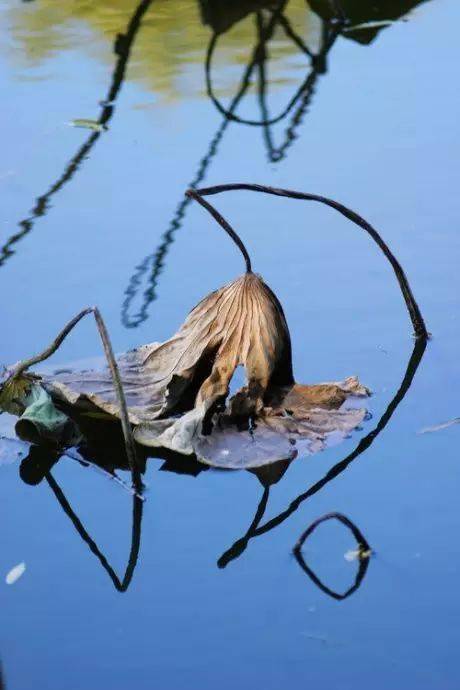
x=168 y=51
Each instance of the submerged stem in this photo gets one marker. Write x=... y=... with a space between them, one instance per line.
x=412 y=306
x=194 y=194
x=112 y=363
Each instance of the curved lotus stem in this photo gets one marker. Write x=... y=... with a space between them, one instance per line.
x=358 y=535
x=279 y=18
x=20 y=368
x=137 y=509
x=415 y=314
x=194 y=194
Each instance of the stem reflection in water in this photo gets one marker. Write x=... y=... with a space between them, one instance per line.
x=34 y=469
x=122 y=47
x=256 y=530
x=363 y=554
x=152 y=265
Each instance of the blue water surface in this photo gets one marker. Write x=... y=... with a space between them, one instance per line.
x=87 y=216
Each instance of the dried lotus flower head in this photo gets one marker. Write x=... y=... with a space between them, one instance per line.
x=240 y=324
x=173 y=388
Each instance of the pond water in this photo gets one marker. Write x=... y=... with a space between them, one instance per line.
x=213 y=596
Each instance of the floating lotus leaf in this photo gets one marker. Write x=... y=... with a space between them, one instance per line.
x=177 y=392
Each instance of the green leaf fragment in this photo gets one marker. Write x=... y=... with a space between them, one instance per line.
x=41 y=420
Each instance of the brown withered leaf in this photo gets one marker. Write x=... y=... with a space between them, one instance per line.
x=304 y=418
x=241 y=323
x=177 y=391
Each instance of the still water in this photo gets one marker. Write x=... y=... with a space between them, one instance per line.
x=213 y=597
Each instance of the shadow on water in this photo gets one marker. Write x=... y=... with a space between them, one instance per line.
x=110 y=455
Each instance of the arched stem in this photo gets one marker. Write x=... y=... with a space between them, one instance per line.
x=415 y=314
x=22 y=367
x=194 y=194
x=279 y=18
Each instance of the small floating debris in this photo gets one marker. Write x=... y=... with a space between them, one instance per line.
x=370 y=25
x=440 y=427
x=357 y=554
x=94 y=125
x=362 y=554
x=15 y=573
x=378 y=23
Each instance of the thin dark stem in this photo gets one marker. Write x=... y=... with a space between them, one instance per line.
x=51 y=349
x=358 y=535
x=111 y=361
x=124 y=417
x=305 y=85
x=289 y=31
x=415 y=314
x=157 y=260
x=364 y=552
x=230 y=115
x=365 y=443
x=338 y=11
x=122 y=585
x=318 y=68
x=122 y=48
x=194 y=194
x=241 y=544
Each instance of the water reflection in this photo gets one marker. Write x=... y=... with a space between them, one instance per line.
x=336 y=19
x=103 y=447
x=369 y=18
x=316 y=59
x=137 y=508
x=153 y=264
x=362 y=555
x=270 y=19
x=122 y=48
x=266 y=26
x=256 y=529
x=37 y=467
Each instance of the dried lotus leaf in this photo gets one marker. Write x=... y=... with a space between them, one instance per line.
x=230 y=448
x=242 y=323
x=176 y=392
